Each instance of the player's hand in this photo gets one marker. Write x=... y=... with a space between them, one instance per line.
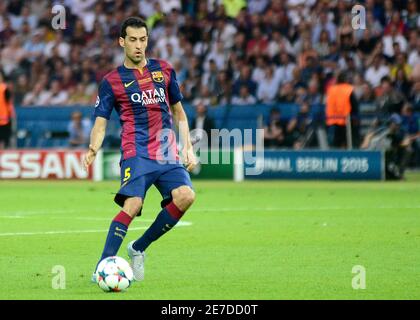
x=88 y=158
x=189 y=158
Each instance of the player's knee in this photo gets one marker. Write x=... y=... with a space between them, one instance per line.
x=183 y=197
x=132 y=206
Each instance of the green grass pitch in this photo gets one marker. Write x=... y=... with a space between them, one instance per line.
x=250 y=240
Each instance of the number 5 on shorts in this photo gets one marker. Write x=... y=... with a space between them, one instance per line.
x=127 y=174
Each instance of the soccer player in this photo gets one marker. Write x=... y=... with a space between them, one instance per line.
x=145 y=94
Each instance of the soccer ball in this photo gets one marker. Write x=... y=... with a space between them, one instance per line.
x=114 y=274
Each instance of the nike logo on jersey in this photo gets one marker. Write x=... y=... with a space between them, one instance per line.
x=126 y=85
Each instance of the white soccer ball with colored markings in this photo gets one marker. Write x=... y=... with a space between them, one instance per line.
x=114 y=274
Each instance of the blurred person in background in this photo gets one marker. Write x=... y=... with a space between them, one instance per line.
x=257 y=6
x=7 y=32
x=245 y=80
x=412 y=15
x=366 y=44
x=414 y=54
x=20 y=89
x=258 y=72
x=63 y=48
x=311 y=68
x=323 y=46
x=410 y=125
x=341 y=110
x=324 y=25
x=7 y=114
x=258 y=44
x=389 y=101
x=308 y=56
x=358 y=85
x=401 y=64
x=284 y=72
x=393 y=141
x=267 y=86
x=233 y=7
x=297 y=80
x=55 y=95
x=224 y=95
x=36 y=96
x=35 y=46
x=286 y=93
x=218 y=54
x=301 y=95
x=79 y=130
x=298 y=128
x=393 y=38
x=244 y=98
x=395 y=23
x=313 y=95
x=278 y=44
x=330 y=61
x=350 y=64
x=78 y=96
x=12 y=55
x=66 y=78
x=210 y=79
x=376 y=71
x=274 y=130
x=401 y=82
x=202 y=122
x=367 y=95
x=204 y=96
x=415 y=96
x=25 y=16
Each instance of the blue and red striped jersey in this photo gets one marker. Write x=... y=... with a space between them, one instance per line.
x=142 y=100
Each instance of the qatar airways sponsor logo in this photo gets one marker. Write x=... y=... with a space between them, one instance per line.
x=42 y=165
x=149 y=97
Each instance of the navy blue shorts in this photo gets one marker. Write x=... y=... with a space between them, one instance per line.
x=138 y=174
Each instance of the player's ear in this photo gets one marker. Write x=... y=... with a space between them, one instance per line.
x=121 y=41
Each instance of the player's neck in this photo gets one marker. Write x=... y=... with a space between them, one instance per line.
x=131 y=65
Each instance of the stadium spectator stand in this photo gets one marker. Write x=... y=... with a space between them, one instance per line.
x=294 y=47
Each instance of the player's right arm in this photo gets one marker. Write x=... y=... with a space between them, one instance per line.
x=104 y=104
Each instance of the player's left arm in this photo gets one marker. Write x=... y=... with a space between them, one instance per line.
x=181 y=122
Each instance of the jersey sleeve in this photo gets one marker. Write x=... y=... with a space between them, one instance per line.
x=175 y=94
x=105 y=100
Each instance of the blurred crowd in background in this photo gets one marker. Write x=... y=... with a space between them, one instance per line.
x=224 y=51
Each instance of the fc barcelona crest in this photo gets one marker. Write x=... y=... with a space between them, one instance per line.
x=157 y=76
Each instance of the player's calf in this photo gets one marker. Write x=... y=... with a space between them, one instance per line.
x=132 y=206
x=183 y=197
x=119 y=226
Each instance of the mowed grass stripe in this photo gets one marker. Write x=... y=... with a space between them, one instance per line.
x=234 y=249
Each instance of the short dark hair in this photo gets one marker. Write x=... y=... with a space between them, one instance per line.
x=135 y=22
x=386 y=79
x=341 y=77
